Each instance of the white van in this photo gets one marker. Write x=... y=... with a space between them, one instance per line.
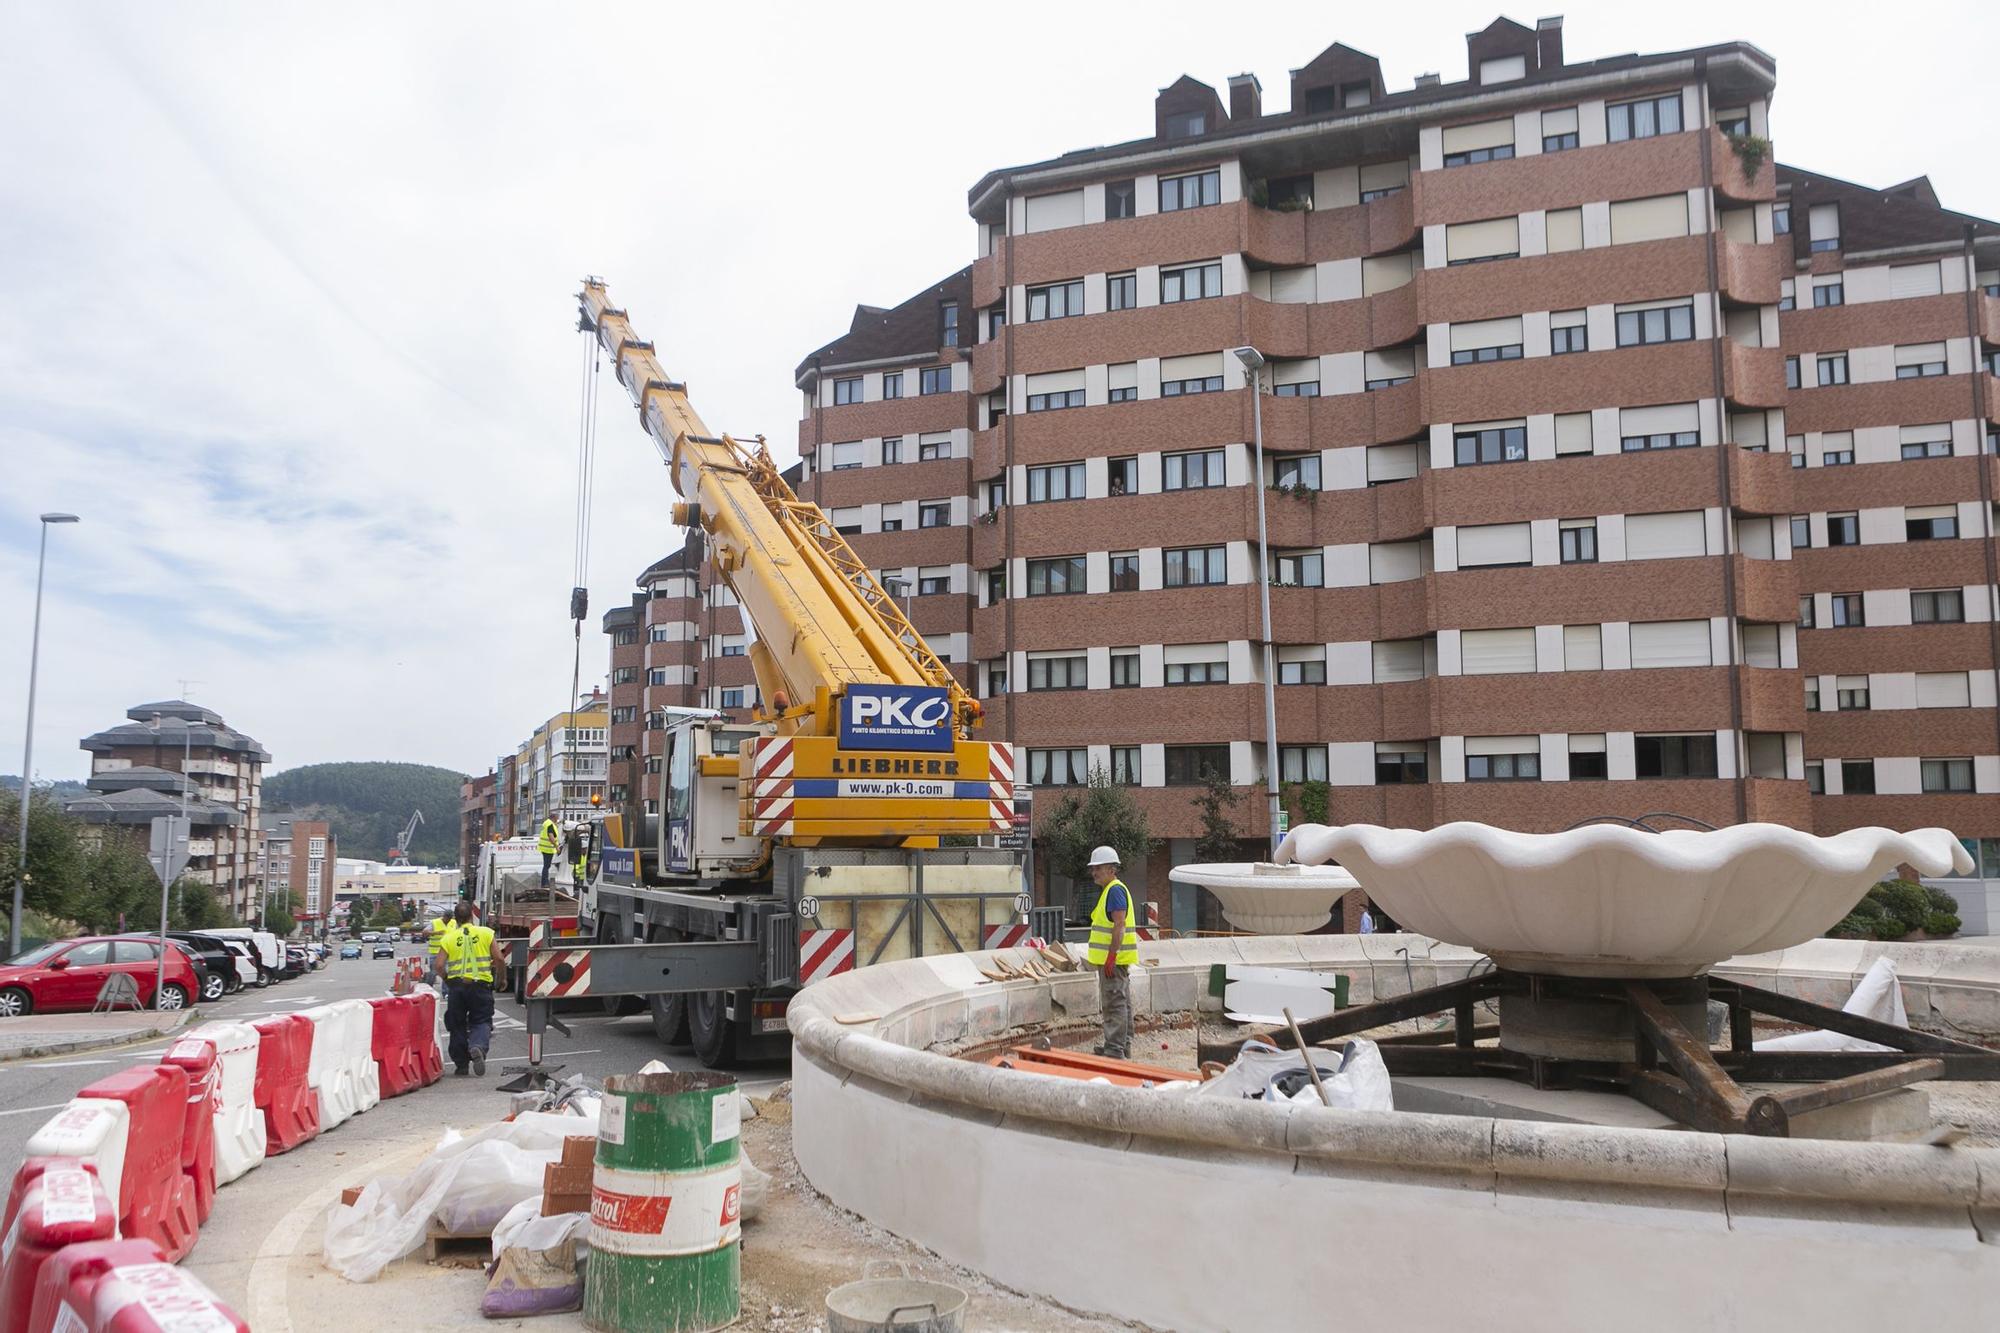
x=264 y=946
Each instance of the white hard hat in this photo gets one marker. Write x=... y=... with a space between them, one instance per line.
x=1103 y=856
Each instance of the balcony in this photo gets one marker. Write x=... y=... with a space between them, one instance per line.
x=1753 y=376
x=1751 y=274
x=1729 y=176
x=1761 y=483
x=1766 y=590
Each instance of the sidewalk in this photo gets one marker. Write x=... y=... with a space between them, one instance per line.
x=38 y=1035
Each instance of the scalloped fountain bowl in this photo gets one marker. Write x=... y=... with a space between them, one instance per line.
x=1267 y=899
x=1611 y=901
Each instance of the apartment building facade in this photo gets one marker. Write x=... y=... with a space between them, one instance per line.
x=299 y=857
x=562 y=770
x=139 y=768
x=1609 y=467
x=478 y=816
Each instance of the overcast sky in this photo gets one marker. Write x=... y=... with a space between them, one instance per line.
x=285 y=291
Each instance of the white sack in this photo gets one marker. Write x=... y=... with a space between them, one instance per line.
x=1878 y=996
x=468 y=1184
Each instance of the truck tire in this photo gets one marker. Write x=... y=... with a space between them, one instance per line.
x=709 y=1025
x=669 y=1012
x=616 y=1006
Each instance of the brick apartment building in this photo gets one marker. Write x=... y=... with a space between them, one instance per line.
x=557 y=770
x=478 y=817
x=299 y=857
x=1610 y=467
x=138 y=770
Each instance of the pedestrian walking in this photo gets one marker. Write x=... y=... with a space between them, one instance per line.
x=1112 y=950
x=471 y=961
x=1367 y=919
x=547 y=839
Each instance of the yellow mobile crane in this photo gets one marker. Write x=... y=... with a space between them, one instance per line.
x=806 y=842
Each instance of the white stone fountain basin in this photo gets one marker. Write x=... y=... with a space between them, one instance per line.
x=1611 y=901
x=1267 y=899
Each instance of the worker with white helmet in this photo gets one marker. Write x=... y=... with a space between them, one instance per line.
x=1112 y=950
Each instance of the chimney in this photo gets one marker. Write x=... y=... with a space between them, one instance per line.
x=1427 y=80
x=1549 y=42
x=1246 y=98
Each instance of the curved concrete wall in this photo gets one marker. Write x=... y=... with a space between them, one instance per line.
x=1193 y=1214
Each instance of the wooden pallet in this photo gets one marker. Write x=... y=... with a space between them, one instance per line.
x=455 y=1249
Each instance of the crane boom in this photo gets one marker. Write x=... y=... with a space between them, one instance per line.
x=821 y=620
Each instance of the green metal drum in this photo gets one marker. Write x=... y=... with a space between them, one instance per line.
x=665 y=1225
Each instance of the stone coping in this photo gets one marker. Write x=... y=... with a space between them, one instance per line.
x=895 y=1011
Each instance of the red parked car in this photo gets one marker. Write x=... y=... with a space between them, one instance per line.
x=67 y=974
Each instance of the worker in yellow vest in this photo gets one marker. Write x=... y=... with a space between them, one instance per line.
x=547 y=839
x=472 y=961
x=1112 y=950
x=434 y=945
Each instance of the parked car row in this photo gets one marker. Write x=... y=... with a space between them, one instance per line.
x=200 y=966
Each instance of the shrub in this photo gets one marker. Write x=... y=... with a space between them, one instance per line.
x=1894 y=908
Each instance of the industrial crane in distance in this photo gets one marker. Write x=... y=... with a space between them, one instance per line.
x=807 y=841
x=400 y=853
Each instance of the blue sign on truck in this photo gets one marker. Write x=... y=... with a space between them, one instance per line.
x=895 y=717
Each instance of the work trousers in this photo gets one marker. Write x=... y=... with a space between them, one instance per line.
x=1114 y=1001
x=548 y=859
x=468 y=1017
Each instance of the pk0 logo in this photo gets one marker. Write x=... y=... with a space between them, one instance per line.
x=895 y=717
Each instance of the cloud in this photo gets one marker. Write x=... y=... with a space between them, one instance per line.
x=286 y=294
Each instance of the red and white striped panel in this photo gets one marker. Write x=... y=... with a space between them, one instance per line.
x=542 y=981
x=774 y=759
x=824 y=953
x=1000 y=786
x=1011 y=937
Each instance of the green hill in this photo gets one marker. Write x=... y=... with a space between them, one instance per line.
x=368 y=805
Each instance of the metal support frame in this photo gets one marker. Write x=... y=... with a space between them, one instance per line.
x=1672 y=1070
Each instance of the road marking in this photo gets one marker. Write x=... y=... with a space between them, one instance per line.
x=72 y=1064
x=28 y=1110
x=296 y=999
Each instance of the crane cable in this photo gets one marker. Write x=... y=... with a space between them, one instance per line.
x=579 y=594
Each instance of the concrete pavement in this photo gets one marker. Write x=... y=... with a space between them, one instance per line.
x=38 y=1035
x=260 y=1248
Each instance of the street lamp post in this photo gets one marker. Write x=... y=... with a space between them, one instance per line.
x=167 y=853
x=28 y=746
x=1253 y=366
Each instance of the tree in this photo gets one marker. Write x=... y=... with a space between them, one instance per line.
x=1103 y=814
x=280 y=915
x=360 y=913
x=1220 y=840
x=197 y=908
x=57 y=858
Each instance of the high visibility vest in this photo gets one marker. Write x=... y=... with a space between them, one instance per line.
x=1100 y=930
x=468 y=953
x=441 y=927
x=548 y=838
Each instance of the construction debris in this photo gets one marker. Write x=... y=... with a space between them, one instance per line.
x=1089 y=1068
x=1354 y=1079
x=1049 y=959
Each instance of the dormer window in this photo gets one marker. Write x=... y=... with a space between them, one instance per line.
x=1186 y=124
x=1503 y=69
x=1322 y=99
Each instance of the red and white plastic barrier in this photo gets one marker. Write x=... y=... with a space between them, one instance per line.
x=195 y=1056
x=341 y=1070
x=398 y=1069
x=55 y=1202
x=284 y=1055
x=426 y=1033
x=155 y=1198
x=125 y=1286
x=238 y=1124
x=91 y=1130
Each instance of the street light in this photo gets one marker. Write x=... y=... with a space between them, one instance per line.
x=1253 y=366
x=167 y=847
x=28 y=746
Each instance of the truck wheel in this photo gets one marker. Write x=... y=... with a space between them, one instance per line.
x=616 y=1006
x=708 y=1023
x=670 y=1012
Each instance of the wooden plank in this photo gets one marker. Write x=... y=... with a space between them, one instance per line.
x=1102 y=1064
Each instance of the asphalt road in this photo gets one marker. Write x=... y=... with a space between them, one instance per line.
x=33 y=1090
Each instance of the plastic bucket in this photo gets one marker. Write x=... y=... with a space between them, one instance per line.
x=665 y=1220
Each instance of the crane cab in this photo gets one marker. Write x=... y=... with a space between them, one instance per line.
x=700 y=827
